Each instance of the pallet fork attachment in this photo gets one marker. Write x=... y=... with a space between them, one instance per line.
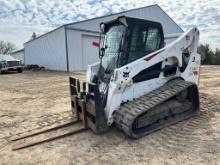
x=87 y=112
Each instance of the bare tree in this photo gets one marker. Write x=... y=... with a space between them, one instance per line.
x=34 y=36
x=6 y=47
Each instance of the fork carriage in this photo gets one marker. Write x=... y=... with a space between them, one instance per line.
x=86 y=105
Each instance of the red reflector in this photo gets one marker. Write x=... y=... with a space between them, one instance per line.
x=149 y=57
x=96 y=44
x=195 y=72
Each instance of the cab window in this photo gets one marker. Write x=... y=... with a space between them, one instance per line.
x=144 y=40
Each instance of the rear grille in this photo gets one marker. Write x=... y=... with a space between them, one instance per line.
x=13 y=63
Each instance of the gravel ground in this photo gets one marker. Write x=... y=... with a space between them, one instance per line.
x=33 y=99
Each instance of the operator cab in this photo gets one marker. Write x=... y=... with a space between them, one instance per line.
x=126 y=39
x=123 y=41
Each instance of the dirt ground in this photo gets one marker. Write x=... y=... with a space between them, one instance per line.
x=34 y=99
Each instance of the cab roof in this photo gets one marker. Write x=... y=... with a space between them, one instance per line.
x=127 y=21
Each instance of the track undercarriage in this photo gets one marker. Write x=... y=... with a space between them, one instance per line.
x=173 y=102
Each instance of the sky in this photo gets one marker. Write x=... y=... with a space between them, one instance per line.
x=20 y=18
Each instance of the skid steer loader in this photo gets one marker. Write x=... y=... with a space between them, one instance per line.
x=140 y=84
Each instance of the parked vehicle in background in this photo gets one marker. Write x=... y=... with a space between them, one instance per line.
x=8 y=63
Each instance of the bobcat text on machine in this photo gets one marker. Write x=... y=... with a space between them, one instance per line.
x=140 y=84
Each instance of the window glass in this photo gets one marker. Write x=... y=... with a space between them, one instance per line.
x=144 y=40
x=112 y=42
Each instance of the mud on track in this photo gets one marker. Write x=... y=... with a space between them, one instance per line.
x=34 y=99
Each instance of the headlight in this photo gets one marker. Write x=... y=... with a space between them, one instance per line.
x=3 y=63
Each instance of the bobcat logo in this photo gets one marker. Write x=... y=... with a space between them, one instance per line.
x=126 y=74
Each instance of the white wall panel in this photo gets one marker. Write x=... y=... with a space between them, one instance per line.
x=90 y=53
x=77 y=47
x=74 y=50
x=153 y=13
x=48 y=50
x=19 y=55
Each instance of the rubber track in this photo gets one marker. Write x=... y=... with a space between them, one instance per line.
x=128 y=112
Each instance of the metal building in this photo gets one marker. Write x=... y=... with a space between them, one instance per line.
x=18 y=54
x=69 y=47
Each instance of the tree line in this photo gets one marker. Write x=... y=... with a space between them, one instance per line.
x=6 y=47
x=209 y=56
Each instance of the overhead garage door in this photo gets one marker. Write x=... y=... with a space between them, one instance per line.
x=90 y=53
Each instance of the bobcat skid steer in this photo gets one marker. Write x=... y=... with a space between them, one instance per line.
x=140 y=84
